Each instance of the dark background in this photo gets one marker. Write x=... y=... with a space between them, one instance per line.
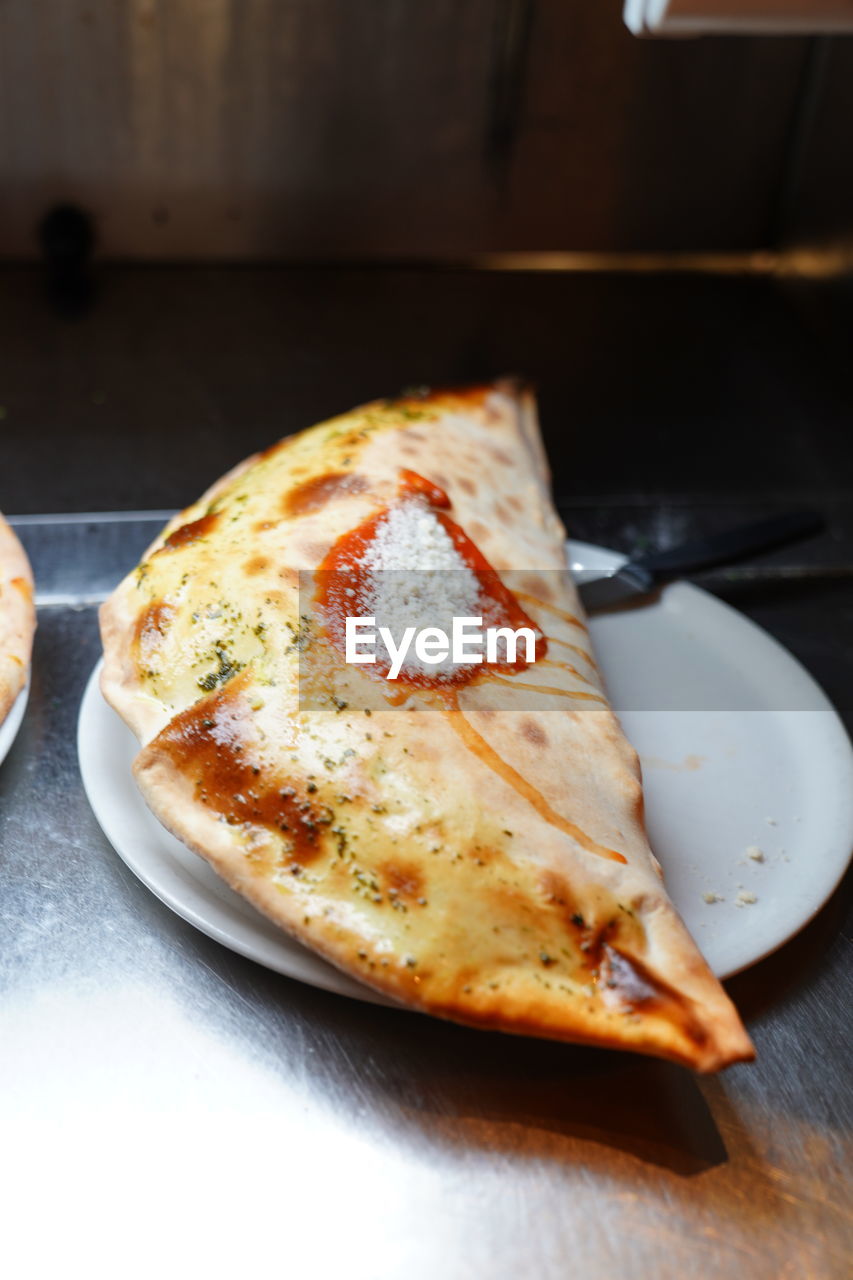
x=242 y=166
x=652 y=386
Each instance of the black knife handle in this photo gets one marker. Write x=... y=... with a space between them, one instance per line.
x=734 y=544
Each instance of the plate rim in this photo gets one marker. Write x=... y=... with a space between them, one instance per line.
x=15 y=718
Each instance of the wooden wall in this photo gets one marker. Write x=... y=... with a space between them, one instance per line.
x=240 y=129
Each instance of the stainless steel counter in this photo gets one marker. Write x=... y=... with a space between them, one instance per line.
x=172 y=1109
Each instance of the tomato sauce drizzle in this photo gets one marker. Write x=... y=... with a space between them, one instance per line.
x=570 y=618
x=343 y=584
x=549 y=688
x=567 y=666
x=476 y=743
x=414 y=486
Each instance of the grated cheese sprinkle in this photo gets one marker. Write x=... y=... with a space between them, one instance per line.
x=411 y=537
x=419 y=579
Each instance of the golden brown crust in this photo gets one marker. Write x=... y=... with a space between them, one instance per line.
x=17 y=618
x=459 y=857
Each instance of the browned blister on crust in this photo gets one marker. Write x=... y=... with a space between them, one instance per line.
x=480 y=858
x=17 y=618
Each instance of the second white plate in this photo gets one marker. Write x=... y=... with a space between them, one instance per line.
x=740 y=749
x=10 y=726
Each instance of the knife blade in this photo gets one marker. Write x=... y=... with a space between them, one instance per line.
x=642 y=574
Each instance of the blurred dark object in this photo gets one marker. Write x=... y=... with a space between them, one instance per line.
x=644 y=573
x=67 y=239
x=737 y=17
x=322 y=129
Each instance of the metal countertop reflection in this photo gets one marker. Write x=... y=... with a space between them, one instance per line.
x=170 y=1108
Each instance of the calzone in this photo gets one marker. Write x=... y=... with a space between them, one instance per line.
x=464 y=836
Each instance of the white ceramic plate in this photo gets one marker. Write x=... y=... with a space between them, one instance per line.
x=10 y=726
x=740 y=748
